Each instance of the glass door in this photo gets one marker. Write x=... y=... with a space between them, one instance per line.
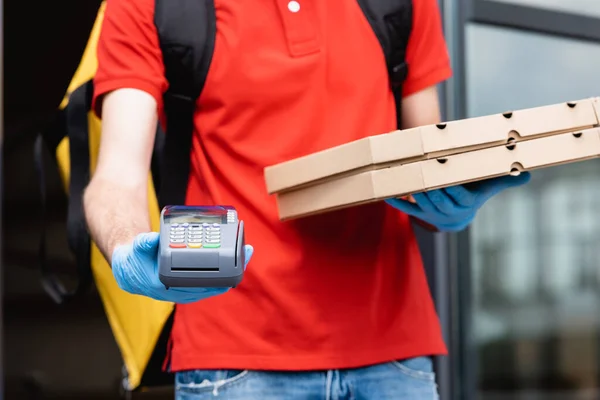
x=534 y=252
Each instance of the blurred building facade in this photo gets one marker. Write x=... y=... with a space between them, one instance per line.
x=519 y=292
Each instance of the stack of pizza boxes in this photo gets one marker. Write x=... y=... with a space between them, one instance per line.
x=404 y=162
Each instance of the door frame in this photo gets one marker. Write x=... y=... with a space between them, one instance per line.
x=449 y=265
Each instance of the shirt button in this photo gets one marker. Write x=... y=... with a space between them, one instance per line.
x=294 y=6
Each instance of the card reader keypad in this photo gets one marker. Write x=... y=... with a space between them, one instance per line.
x=195 y=236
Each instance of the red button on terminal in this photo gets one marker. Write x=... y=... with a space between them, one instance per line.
x=177 y=245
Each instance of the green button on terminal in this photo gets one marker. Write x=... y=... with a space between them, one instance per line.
x=211 y=245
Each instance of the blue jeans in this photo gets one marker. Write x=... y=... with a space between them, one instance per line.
x=411 y=379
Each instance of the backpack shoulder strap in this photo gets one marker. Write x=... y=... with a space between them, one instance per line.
x=391 y=20
x=71 y=122
x=186 y=31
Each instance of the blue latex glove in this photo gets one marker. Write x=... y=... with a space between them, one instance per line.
x=135 y=268
x=453 y=208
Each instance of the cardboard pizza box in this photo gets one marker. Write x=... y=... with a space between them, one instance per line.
x=402 y=179
x=430 y=142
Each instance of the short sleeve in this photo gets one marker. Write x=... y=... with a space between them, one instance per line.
x=128 y=51
x=426 y=53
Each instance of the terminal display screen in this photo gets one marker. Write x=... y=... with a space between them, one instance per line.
x=195 y=215
x=195 y=219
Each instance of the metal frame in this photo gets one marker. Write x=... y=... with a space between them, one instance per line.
x=1 y=194
x=534 y=19
x=451 y=251
x=445 y=262
x=457 y=374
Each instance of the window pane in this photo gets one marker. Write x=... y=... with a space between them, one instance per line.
x=535 y=250
x=584 y=7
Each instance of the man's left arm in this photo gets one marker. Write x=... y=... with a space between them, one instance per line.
x=429 y=65
x=419 y=109
x=452 y=208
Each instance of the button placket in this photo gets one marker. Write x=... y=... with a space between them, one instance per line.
x=300 y=24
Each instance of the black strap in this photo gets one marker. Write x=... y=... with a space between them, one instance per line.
x=391 y=20
x=186 y=31
x=50 y=283
x=157 y=157
x=80 y=103
x=74 y=122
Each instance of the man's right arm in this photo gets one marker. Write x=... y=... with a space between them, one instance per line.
x=128 y=88
x=116 y=200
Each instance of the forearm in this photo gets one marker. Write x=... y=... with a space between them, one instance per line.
x=422 y=109
x=116 y=200
x=115 y=213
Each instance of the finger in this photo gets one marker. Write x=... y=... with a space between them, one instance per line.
x=248 y=251
x=422 y=200
x=518 y=180
x=461 y=195
x=491 y=187
x=442 y=202
x=508 y=181
x=410 y=198
x=405 y=206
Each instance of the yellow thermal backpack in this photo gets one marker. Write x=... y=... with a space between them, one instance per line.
x=140 y=325
x=186 y=32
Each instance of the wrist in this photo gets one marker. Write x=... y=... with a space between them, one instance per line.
x=117 y=242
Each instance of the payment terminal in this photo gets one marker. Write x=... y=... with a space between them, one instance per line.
x=201 y=246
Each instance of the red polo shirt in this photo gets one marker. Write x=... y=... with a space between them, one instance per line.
x=344 y=289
